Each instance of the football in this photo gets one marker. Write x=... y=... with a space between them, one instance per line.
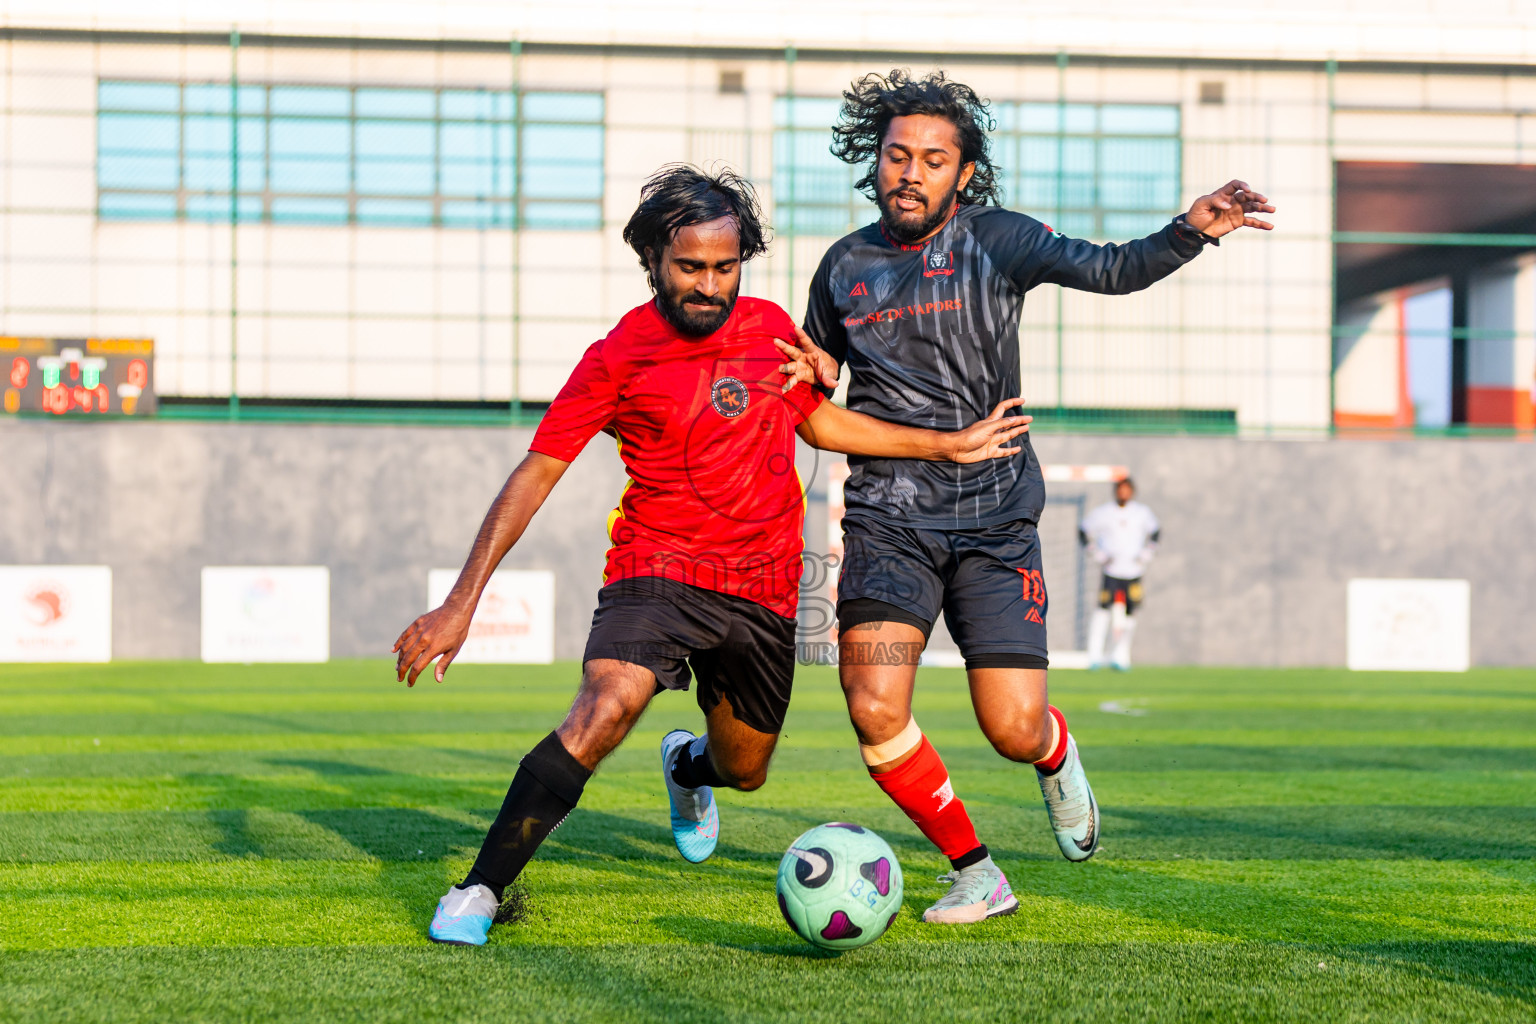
x=839 y=886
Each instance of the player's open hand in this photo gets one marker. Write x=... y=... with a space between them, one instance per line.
x=438 y=635
x=806 y=353
x=988 y=438
x=1228 y=208
x=798 y=369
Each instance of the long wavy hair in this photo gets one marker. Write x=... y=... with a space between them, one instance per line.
x=871 y=102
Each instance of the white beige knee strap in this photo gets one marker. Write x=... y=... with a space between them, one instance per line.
x=902 y=743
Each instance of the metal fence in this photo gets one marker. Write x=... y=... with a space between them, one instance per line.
x=353 y=228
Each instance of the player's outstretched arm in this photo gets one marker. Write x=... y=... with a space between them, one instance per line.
x=1115 y=268
x=833 y=428
x=440 y=633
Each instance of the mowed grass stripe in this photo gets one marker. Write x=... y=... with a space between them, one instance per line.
x=1103 y=735
x=585 y=903
x=708 y=980
x=1194 y=788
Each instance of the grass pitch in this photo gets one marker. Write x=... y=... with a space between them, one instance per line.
x=188 y=842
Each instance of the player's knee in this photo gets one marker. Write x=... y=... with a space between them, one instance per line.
x=874 y=714
x=1025 y=738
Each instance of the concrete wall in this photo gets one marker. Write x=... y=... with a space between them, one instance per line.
x=1259 y=537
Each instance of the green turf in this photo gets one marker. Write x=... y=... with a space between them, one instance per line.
x=187 y=842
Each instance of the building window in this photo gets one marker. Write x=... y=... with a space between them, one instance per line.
x=1091 y=170
x=813 y=190
x=291 y=154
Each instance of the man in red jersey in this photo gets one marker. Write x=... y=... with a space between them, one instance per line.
x=703 y=571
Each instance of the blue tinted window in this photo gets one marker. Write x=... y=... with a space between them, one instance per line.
x=563 y=106
x=1096 y=170
x=812 y=189
x=395 y=158
x=310 y=101
x=156 y=96
x=333 y=154
x=311 y=155
x=396 y=103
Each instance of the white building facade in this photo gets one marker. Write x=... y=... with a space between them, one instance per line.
x=423 y=205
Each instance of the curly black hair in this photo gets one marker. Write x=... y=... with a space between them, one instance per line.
x=871 y=102
x=680 y=195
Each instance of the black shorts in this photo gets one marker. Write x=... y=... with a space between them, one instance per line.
x=987 y=581
x=1126 y=592
x=737 y=649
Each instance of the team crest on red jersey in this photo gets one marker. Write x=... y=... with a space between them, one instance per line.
x=939 y=263
x=729 y=396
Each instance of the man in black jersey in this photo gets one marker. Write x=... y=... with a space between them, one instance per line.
x=923 y=306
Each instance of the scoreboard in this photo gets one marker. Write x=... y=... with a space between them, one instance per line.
x=78 y=376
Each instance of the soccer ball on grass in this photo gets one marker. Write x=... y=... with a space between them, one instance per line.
x=839 y=886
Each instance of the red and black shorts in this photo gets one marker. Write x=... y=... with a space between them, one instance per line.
x=987 y=581
x=735 y=648
x=1115 y=590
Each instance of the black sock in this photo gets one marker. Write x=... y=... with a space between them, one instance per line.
x=547 y=786
x=693 y=768
x=965 y=860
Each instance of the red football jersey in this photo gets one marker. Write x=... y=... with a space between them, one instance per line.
x=708 y=438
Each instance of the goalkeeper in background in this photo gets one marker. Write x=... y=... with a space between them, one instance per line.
x=1121 y=536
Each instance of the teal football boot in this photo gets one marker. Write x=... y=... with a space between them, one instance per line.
x=695 y=819
x=1073 y=810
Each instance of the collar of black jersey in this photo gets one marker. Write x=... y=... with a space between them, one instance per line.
x=903 y=246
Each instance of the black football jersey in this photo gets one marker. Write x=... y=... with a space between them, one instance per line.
x=930 y=335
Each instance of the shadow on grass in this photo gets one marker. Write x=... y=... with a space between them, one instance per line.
x=748 y=938
x=1503 y=969
x=1147 y=757
x=1330 y=832
x=329 y=769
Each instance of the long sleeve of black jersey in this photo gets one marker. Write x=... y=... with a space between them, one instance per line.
x=1030 y=253
x=823 y=322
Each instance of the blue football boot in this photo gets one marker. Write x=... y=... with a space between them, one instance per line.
x=695 y=819
x=463 y=916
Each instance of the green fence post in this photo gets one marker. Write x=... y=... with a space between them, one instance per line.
x=516 y=408
x=789 y=178
x=234 y=221
x=1061 y=157
x=1333 y=278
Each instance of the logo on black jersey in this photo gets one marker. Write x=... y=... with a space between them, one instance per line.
x=939 y=263
x=729 y=396
x=858 y=290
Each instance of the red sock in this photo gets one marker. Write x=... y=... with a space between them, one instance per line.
x=920 y=786
x=1052 y=761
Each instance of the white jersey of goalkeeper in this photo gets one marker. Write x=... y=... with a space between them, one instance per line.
x=1122 y=538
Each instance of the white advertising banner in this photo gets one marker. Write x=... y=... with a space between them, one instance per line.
x=514 y=623
x=266 y=613
x=55 y=613
x=1410 y=625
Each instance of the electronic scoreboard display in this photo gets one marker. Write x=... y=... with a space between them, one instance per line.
x=79 y=376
